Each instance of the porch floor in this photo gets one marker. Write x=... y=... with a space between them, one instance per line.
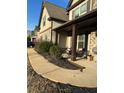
x=85 y=63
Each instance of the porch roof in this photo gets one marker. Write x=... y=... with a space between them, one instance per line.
x=87 y=20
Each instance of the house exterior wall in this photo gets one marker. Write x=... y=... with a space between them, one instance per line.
x=73 y=2
x=62 y=40
x=48 y=23
x=65 y=41
x=92 y=4
x=46 y=36
x=54 y=25
x=69 y=42
x=92 y=38
x=45 y=31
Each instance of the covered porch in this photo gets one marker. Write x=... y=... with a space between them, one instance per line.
x=83 y=25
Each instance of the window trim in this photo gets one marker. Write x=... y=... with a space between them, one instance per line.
x=81 y=41
x=85 y=2
x=85 y=10
x=73 y=15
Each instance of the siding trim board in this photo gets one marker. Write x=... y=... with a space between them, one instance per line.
x=54 y=19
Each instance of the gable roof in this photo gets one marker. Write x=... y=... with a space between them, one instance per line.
x=55 y=12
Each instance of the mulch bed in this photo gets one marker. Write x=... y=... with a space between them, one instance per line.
x=38 y=84
x=64 y=63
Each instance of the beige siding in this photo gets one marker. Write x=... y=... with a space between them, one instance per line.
x=48 y=23
x=45 y=31
x=62 y=40
x=46 y=36
x=73 y=2
x=69 y=42
x=53 y=37
x=56 y=24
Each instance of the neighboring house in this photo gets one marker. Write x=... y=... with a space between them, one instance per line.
x=51 y=16
x=32 y=34
x=35 y=34
x=28 y=33
x=74 y=28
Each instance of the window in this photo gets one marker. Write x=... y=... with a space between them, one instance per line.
x=75 y=13
x=79 y=11
x=44 y=21
x=81 y=41
x=83 y=8
x=80 y=44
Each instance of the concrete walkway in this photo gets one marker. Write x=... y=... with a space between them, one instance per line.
x=87 y=78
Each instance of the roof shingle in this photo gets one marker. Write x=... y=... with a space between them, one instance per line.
x=56 y=12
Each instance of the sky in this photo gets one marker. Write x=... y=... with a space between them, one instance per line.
x=34 y=9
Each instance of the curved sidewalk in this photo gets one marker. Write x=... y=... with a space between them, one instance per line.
x=87 y=78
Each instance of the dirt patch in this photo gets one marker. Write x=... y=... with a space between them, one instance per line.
x=37 y=84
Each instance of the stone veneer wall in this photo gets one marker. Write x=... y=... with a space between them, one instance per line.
x=92 y=42
x=94 y=4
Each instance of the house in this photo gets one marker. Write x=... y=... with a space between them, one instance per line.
x=29 y=33
x=33 y=34
x=80 y=32
x=51 y=16
x=77 y=32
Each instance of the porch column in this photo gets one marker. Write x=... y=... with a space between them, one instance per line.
x=86 y=42
x=56 y=41
x=74 y=43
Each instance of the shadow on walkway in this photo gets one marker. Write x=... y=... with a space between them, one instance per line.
x=37 y=84
x=64 y=63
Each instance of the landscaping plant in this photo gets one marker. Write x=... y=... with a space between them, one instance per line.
x=55 y=51
x=44 y=46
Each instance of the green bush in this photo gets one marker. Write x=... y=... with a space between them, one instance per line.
x=45 y=46
x=55 y=51
x=37 y=46
x=28 y=38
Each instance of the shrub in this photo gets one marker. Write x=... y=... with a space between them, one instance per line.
x=28 y=38
x=37 y=46
x=55 y=51
x=45 y=46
